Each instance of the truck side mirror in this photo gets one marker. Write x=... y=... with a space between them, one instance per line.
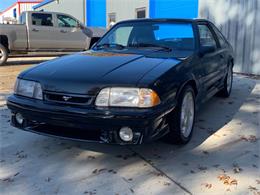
x=80 y=26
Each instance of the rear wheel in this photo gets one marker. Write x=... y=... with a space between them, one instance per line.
x=228 y=83
x=3 y=55
x=181 y=121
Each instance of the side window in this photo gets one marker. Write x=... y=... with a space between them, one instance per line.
x=39 y=19
x=141 y=12
x=66 y=21
x=206 y=37
x=120 y=36
x=222 y=40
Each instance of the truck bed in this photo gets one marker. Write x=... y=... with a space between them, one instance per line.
x=17 y=33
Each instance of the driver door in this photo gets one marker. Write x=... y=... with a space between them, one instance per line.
x=210 y=62
x=41 y=32
x=71 y=35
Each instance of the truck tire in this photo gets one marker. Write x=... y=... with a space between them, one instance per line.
x=3 y=55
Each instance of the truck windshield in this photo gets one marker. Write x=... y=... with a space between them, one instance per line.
x=166 y=36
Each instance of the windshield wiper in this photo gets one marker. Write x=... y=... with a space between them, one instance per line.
x=110 y=45
x=164 y=48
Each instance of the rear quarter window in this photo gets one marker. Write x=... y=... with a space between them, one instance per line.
x=221 y=38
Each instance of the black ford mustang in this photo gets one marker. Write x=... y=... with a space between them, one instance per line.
x=143 y=80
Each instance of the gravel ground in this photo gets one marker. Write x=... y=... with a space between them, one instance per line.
x=223 y=156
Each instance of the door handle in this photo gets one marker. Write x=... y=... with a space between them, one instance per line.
x=63 y=31
x=35 y=30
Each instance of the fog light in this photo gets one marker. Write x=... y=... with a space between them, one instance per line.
x=19 y=118
x=126 y=134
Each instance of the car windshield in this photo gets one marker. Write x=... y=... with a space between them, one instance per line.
x=167 y=37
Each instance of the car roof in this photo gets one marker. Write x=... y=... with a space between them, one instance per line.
x=165 y=20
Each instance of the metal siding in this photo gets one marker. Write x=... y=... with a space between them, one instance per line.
x=126 y=9
x=26 y=6
x=42 y=4
x=239 y=21
x=76 y=8
x=96 y=13
x=173 y=8
x=9 y=13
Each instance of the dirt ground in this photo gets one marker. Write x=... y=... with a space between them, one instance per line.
x=223 y=156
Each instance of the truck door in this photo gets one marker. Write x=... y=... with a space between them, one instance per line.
x=71 y=35
x=40 y=31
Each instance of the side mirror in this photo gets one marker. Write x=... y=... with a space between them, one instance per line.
x=207 y=49
x=80 y=26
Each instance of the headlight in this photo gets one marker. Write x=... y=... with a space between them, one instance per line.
x=127 y=97
x=27 y=88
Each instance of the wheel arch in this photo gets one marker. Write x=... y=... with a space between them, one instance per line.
x=231 y=60
x=4 y=42
x=190 y=82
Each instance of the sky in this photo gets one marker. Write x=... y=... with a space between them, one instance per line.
x=5 y=4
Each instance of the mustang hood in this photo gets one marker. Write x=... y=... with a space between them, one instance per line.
x=87 y=72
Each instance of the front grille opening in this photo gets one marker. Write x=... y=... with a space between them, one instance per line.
x=68 y=98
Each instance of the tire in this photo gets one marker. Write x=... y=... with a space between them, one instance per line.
x=3 y=55
x=176 y=118
x=228 y=83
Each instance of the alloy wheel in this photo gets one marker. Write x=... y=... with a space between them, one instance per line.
x=187 y=114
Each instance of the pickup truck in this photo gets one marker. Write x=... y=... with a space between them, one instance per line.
x=46 y=31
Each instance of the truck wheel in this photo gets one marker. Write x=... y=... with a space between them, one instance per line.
x=226 y=91
x=181 y=121
x=3 y=55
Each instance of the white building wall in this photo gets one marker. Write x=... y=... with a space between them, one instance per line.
x=239 y=21
x=8 y=15
x=26 y=6
x=125 y=9
x=76 y=8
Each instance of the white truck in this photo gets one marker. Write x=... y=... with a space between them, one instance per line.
x=46 y=31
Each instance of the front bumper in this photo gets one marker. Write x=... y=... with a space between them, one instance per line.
x=89 y=123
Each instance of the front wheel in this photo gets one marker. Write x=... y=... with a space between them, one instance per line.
x=181 y=121
x=3 y=55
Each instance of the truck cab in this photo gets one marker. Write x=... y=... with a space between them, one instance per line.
x=47 y=31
